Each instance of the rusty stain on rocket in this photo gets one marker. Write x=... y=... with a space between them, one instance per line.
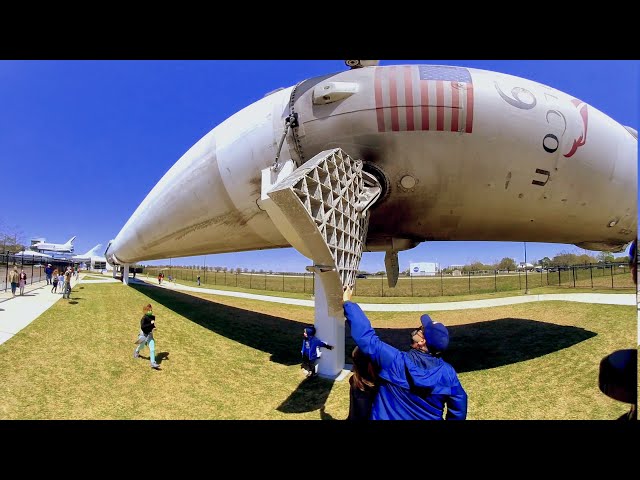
x=256 y=183
x=506 y=184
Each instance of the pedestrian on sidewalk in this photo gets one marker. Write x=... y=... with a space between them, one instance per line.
x=145 y=337
x=48 y=271
x=23 y=281
x=54 y=289
x=66 y=293
x=14 y=278
x=198 y=280
x=61 y=281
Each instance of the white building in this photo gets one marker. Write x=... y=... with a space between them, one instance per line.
x=423 y=269
x=524 y=266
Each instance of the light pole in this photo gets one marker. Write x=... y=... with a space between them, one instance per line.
x=526 y=279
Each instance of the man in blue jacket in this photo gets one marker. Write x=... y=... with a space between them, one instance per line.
x=414 y=385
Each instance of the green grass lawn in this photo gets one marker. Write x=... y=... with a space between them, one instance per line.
x=233 y=358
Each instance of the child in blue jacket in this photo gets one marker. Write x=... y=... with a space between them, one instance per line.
x=311 y=351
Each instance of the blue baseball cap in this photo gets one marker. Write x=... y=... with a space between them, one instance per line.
x=436 y=335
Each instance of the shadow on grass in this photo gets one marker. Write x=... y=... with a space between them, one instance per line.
x=490 y=344
x=162 y=356
x=310 y=395
x=476 y=346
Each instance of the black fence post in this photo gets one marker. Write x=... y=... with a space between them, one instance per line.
x=304 y=283
x=573 y=272
x=411 y=282
x=519 y=282
x=495 y=279
x=591 y=274
x=265 y=281
x=559 y=278
x=441 y=284
x=236 y=279
x=250 y=275
x=382 y=278
x=612 y=276
x=6 y=271
x=469 y=281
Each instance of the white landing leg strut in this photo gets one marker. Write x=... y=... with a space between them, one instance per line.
x=321 y=208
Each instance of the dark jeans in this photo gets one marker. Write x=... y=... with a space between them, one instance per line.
x=49 y=279
x=14 y=285
x=309 y=365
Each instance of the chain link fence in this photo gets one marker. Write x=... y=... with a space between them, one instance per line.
x=600 y=276
x=34 y=267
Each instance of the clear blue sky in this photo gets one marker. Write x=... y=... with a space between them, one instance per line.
x=72 y=133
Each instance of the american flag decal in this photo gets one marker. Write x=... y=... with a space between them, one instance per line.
x=423 y=97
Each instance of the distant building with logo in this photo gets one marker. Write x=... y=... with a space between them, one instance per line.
x=423 y=269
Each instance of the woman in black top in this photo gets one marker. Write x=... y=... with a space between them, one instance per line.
x=145 y=337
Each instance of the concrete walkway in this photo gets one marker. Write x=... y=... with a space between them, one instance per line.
x=605 y=298
x=19 y=311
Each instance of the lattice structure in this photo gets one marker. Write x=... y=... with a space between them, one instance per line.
x=331 y=189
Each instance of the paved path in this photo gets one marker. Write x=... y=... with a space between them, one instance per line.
x=18 y=312
x=606 y=298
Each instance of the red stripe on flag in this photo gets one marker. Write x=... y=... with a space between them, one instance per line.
x=378 y=95
x=393 y=100
x=469 y=124
x=408 y=97
x=424 y=102
x=455 y=104
x=439 y=106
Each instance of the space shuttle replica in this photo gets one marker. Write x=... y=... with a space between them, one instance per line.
x=381 y=158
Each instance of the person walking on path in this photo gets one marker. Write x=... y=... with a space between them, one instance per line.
x=22 y=281
x=67 y=283
x=14 y=278
x=48 y=271
x=61 y=281
x=145 y=337
x=54 y=288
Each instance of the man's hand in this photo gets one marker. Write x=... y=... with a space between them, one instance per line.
x=330 y=347
x=347 y=293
